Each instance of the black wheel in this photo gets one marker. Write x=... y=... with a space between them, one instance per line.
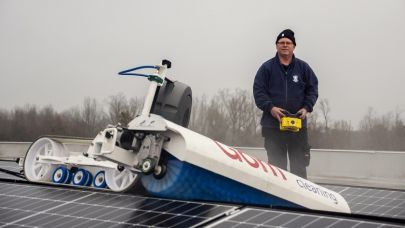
x=160 y=171
x=148 y=165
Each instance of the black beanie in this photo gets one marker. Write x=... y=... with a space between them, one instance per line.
x=288 y=33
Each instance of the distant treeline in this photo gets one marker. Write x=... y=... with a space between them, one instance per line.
x=29 y=122
x=229 y=116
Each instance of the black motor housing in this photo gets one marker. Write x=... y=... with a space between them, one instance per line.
x=173 y=101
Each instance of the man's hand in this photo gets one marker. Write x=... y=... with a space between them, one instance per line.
x=303 y=113
x=277 y=113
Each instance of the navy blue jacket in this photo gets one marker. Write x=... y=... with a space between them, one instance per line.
x=291 y=89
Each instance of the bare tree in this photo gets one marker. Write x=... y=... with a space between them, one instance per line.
x=5 y=125
x=399 y=127
x=73 y=122
x=240 y=113
x=135 y=107
x=398 y=131
x=325 y=110
x=315 y=136
x=343 y=125
x=92 y=115
x=89 y=113
x=216 y=126
x=118 y=109
x=340 y=135
x=256 y=133
x=312 y=120
x=376 y=130
x=198 y=117
x=24 y=123
x=367 y=123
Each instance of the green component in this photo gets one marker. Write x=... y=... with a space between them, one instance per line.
x=155 y=78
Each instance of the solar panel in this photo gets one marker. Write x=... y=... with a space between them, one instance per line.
x=27 y=205
x=376 y=202
x=33 y=206
x=252 y=217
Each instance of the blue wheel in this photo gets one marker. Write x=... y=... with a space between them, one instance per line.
x=61 y=175
x=89 y=178
x=99 y=180
x=81 y=177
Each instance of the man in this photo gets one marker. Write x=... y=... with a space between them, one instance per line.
x=285 y=83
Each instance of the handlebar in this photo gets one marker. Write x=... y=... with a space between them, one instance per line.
x=165 y=62
x=128 y=72
x=151 y=77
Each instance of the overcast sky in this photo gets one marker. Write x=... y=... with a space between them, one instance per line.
x=58 y=52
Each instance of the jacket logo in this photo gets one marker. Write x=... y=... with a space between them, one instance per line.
x=295 y=78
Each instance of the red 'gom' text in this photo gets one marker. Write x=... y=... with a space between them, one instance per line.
x=251 y=161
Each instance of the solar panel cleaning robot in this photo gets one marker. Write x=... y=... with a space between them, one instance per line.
x=169 y=160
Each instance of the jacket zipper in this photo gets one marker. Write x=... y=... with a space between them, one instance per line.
x=286 y=89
